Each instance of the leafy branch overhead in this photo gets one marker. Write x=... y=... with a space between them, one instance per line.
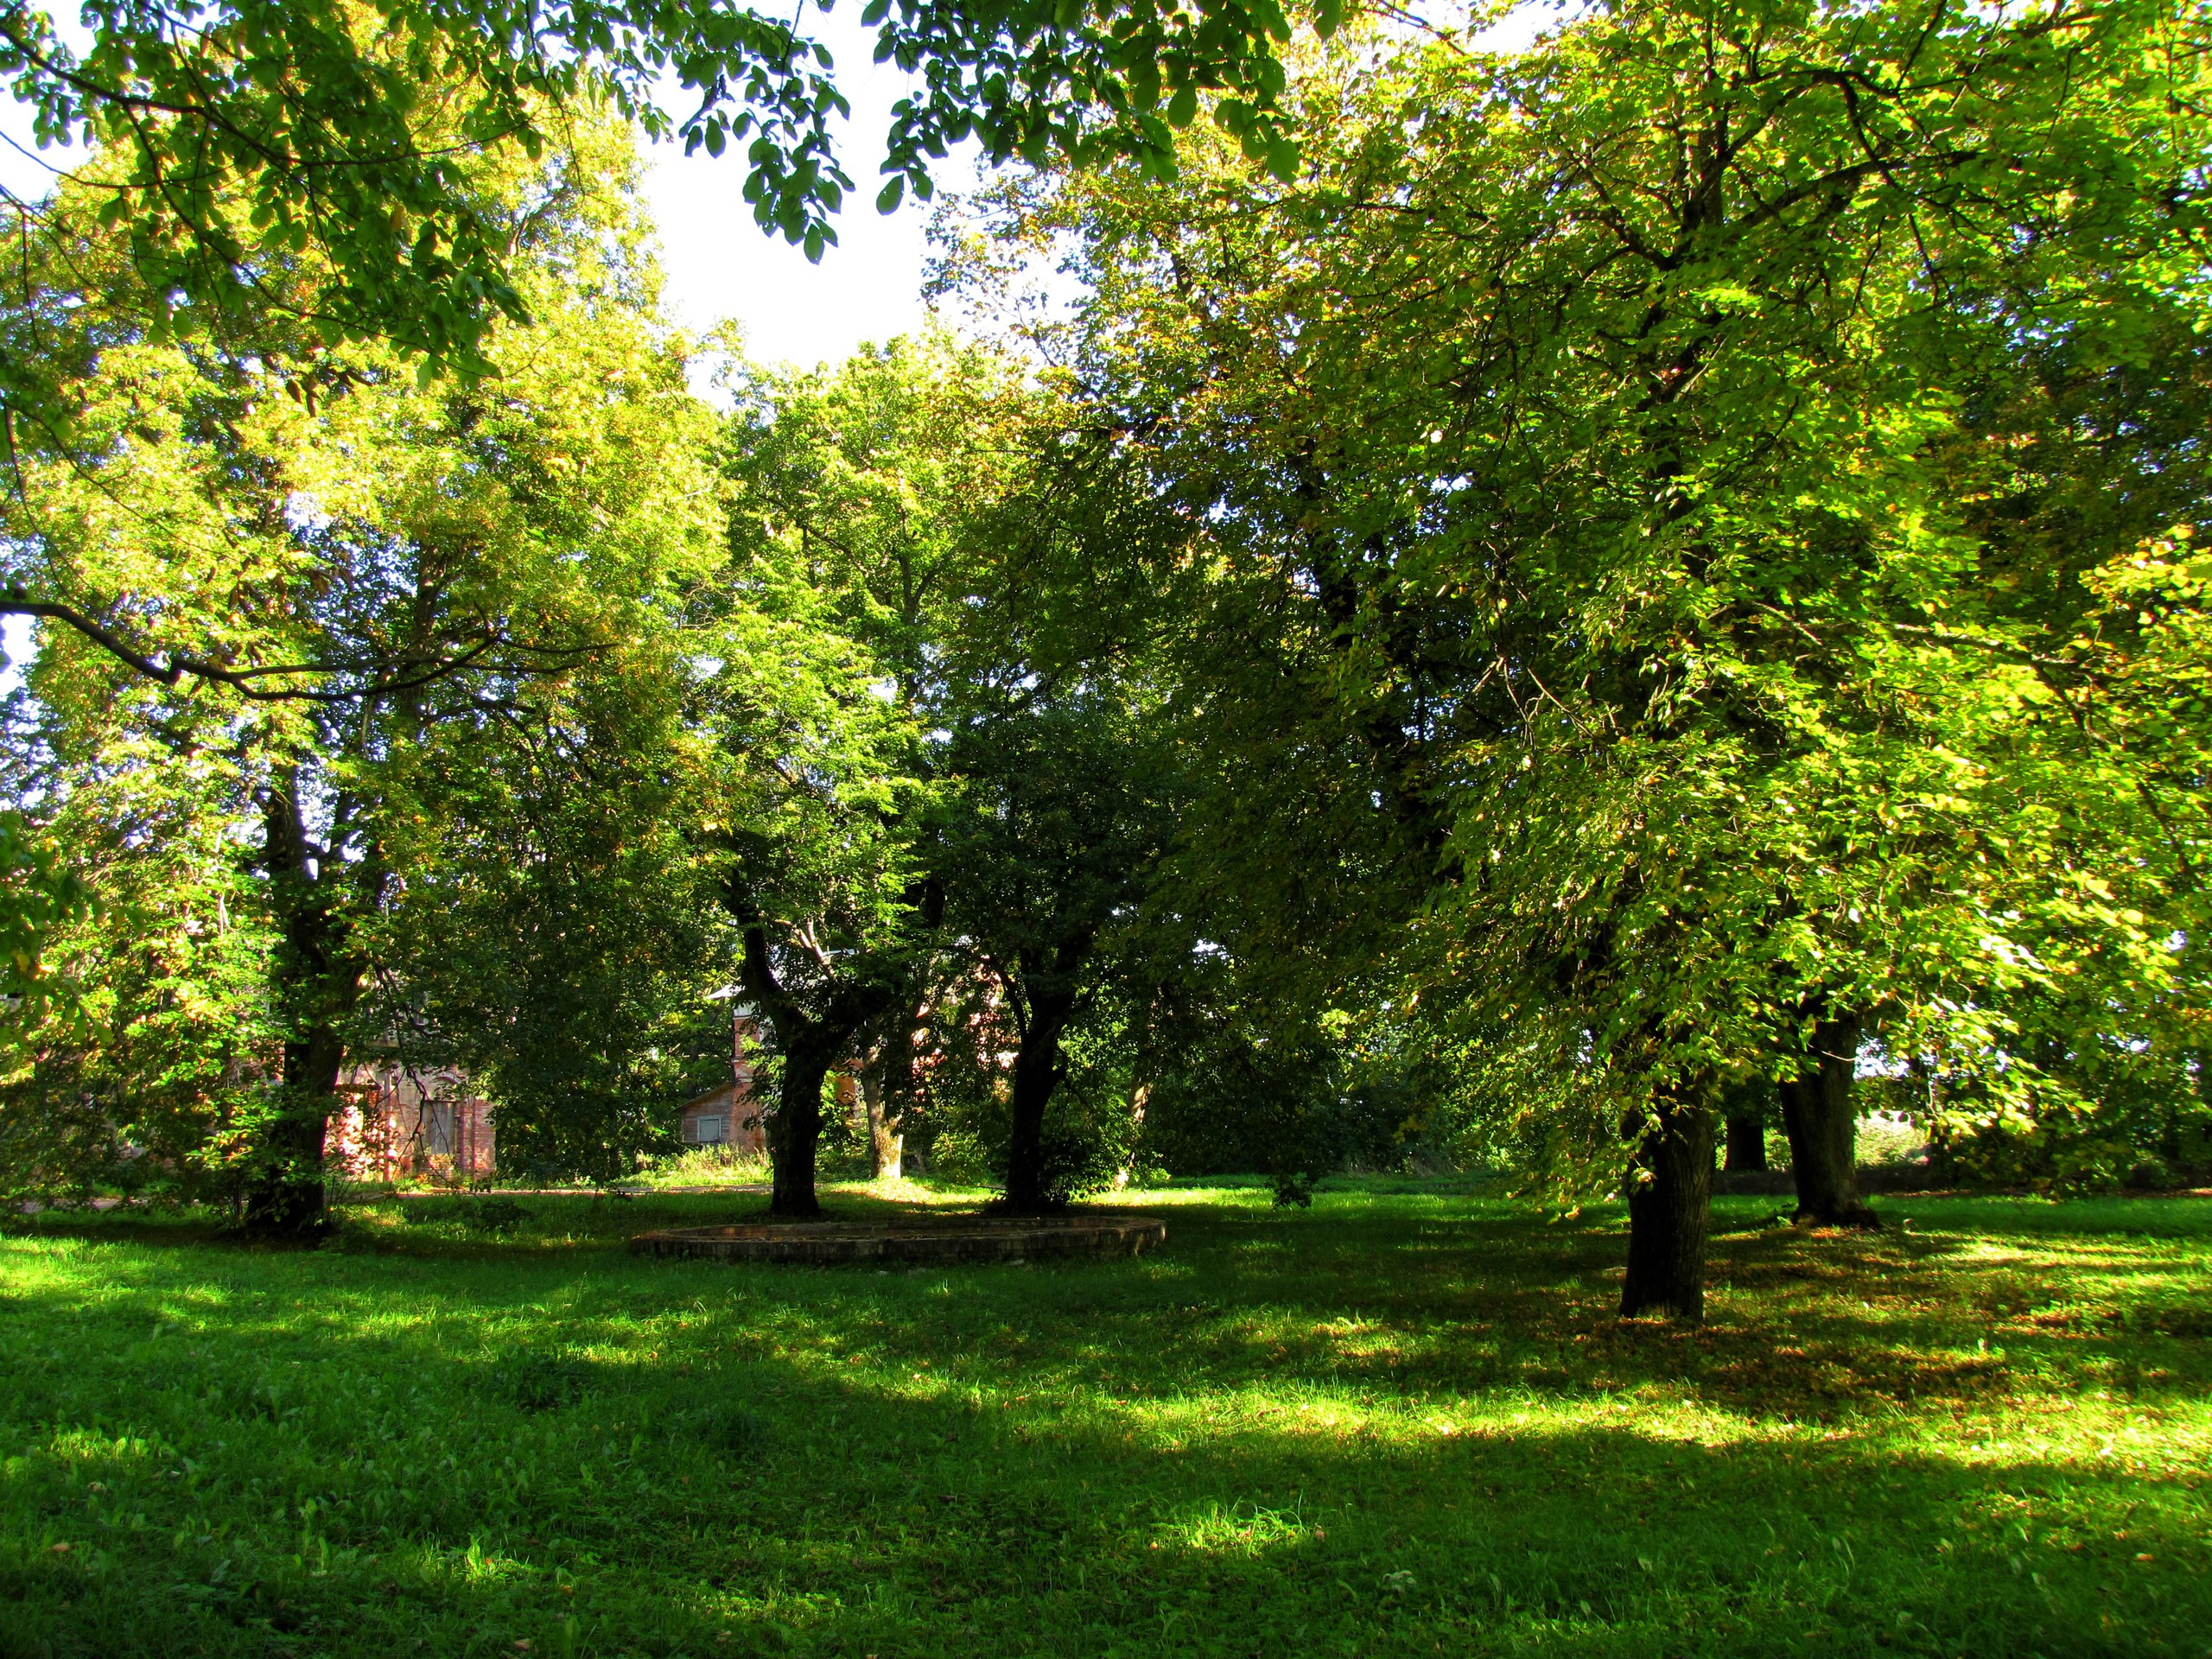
x=237 y=137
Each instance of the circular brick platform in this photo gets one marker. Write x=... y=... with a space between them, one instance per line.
x=919 y=1239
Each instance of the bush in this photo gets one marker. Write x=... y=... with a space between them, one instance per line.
x=1235 y=1104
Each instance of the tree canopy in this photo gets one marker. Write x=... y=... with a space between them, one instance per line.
x=234 y=139
x=1664 y=429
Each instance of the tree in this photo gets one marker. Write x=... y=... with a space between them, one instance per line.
x=558 y=933
x=140 y=1055
x=1746 y=1111
x=848 y=492
x=1065 y=749
x=328 y=593
x=1610 y=407
x=989 y=587
x=38 y=893
x=1063 y=813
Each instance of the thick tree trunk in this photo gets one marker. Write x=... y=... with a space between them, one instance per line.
x=314 y=990
x=810 y=1046
x=1669 y=1209
x=1747 y=1146
x=285 y=1199
x=794 y=1132
x=1820 y=1116
x=1036 y=1074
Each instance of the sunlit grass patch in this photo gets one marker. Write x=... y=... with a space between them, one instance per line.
x=1403 y=1421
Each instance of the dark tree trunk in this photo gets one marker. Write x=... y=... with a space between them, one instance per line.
x=1668 y=1208
x=314 y=990
x=1036 y=1074
x=795 y=1131
x=286 y=1198
x=1820 y=1117
x=1746 y=1141
x=810 y=1043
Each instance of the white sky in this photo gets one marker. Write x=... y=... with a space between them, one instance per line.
x=721 y=265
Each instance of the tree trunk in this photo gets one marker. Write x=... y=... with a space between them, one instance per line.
x=1140 y=1098
x=1818 y=1113
x=314 y=990
x=1746 y=1141
x=286 y=1198
x=794 y=1133
x=885 y=1144
x=810 y=1044
x=1669 y=1209
x=1036 y=1074
x=888 y=1082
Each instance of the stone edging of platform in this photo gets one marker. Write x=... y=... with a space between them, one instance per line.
x=915 y=1240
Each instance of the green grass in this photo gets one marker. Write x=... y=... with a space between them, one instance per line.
x=1405 y=1421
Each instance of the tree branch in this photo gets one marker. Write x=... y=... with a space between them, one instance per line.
x=172 y=667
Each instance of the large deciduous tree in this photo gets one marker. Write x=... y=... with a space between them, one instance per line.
x=1701 y=437
x=982 y=589
x=1065 y=754
x=850 y=495
x=297 y=604
x=1065 y=806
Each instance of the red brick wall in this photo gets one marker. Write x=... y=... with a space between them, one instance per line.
x=397 y=1123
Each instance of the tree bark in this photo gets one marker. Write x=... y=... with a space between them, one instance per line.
x=286 y=1198
x=886 y=1145
x=314 y=989
x=794 y=1132
x=1669 y=1211
x=1820 y=1116
x=1746 y=1147
x=1036 y=1073
x=810 y=1044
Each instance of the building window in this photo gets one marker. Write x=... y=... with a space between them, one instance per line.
x=713 y=1131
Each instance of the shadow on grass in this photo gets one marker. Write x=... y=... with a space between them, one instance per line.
x=1391 y=1434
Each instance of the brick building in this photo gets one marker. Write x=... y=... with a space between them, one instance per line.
x=400 y=1121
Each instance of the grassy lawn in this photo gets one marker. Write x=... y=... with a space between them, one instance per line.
x=1404 y=1422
